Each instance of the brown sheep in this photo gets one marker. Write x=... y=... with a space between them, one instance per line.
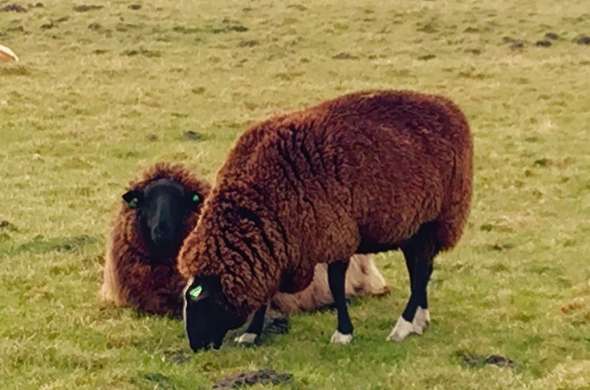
x=140 y=266
x=364 y=173
x=139 y=274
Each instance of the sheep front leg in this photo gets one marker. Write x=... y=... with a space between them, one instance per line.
x=254 y=329
x=336 y=281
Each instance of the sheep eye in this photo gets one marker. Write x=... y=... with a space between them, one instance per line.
x=133 y=203
x=196 y=198
x=195 y=292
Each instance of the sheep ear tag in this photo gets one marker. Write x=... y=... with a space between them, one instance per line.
x=195 y=293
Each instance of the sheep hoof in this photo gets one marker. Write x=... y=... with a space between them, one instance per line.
x=339 y=338
x=421 y=320
x=246 y=339
x=401 y=330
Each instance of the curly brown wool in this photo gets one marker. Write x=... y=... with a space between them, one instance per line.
x=358 y=174
x=132 y=277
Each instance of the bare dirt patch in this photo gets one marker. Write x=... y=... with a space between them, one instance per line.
x=474 y=360
x=87 y=7
x=264 y=376
x=14 y=8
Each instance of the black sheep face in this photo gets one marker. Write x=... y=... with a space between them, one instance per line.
x=206 y=317
x=162 y=207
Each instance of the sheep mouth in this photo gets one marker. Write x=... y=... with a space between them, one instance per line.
x=202 y=341
x=164 y=240
x=164 y=247
x=206 y=345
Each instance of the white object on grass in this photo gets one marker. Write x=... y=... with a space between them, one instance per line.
x=7 y=55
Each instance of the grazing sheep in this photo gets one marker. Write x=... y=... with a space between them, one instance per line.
x=158 y=212
x=367 y=172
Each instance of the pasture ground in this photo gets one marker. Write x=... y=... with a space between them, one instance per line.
x=102 y=92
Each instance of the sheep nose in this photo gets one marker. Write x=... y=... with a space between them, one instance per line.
x=200 y=346
x=160 y=233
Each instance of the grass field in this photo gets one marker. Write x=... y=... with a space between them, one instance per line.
x=101 y=93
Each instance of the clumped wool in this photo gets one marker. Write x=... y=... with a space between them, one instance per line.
x=358 y=174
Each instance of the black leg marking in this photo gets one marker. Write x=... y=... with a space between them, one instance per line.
x=420 y=269
x=336 y=281
x=423 y=302
x=419 y=253
x=254 y=328
x=412 y=304
x=257 y=321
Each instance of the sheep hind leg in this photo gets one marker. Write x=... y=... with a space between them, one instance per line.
x=419 y=254
x=422 y=317
x=336 y=281
x=252 y=334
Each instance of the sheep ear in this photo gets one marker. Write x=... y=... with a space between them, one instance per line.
x=133 y=198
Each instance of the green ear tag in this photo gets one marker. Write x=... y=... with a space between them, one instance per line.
x=195 y=292
x=196 y=198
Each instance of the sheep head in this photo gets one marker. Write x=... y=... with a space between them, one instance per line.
x=162 y=207
x=207 y=317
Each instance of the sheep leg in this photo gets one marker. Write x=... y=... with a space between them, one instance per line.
x=419 y=254
x=254 y=330
x=422 y=317
x=336 y=281
x=415 y=316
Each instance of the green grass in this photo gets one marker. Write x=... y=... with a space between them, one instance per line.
x=99 y=95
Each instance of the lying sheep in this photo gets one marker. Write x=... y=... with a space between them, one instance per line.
x=158 y=212
x=367 y=172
